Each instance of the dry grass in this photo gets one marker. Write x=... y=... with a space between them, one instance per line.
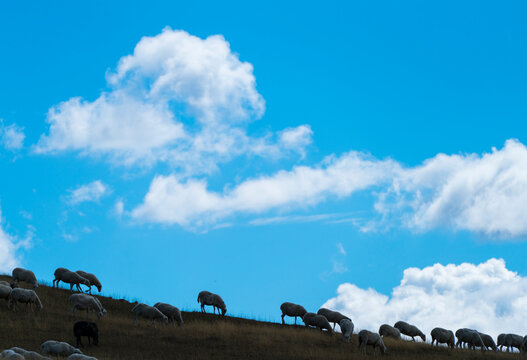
x=202 y=336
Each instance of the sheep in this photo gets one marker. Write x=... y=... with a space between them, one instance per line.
x=293 y=310
x=512 y=341
x=409 y=330
x=80 y=357
x=171 y=312
x=150 y=313
x=488 y=341
x=29 y=355
x=86 y=328
x=208 y=298
x=28 y=276
x=332 y=316
x=319 y=321
x=69 y=277
x=86 y=302
x=501 y=339
x=443 y=336
x=5 y=293
x=369 y=338
x=92 y=279
x=25 y=296
x=386 y=330
x=346 y=327
x=58 y=348
x=11 y=355
x=471 y=338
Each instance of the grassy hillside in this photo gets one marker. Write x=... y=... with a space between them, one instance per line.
x=202 y=336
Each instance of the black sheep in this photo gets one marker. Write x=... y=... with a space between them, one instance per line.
x=86 y=328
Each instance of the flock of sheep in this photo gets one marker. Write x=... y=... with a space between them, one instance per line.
x=465 y=337
x=163 y=312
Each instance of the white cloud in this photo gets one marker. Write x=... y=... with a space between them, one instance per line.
x=189 y=203
x=9 y=246
x=487 y=297
x=88 y=192
x=485 y=194
x=480 y=193
x=11 y=136
x=8 y=256
x=342 y=251
x=177 y=99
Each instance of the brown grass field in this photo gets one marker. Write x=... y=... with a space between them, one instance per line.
x=203 y=336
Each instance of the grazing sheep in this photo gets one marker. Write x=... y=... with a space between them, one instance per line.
x=20 y=274
x=409 y=330
x=319 y=321
x=293 y=310
x=346 y=327
x=471 y=338
x=25 y=296
x=92 y=279
x=86 y=302
x=80 y=357
x=488 y=341
x=5 y=293
x=29 y=355
x=513 y=341
x=86 y=328
x=369 y=338
x=389 y=331
x=443 y=336
x=11 y=355
x=171 y=312
x=58 y=348
x=332 y=316
x=150 y=313
x=208 y=298
x=69 y=277
x=501 y=340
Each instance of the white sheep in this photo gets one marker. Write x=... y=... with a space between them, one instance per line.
x=471 y=338
x=171 y=312
x=386 y=330
x=69 y=277
x=86 y=302
x=29 y=355
x=443 y=336
x=293 y=310
x=26 y=296
x=319 y=321
x=512 y=341
x=332 y=316
x=5 y=293
x=346 y=327
x=409 y=330
x=58 y=348
x=150 y=313
x=370 y=338
x=80 y=357
x=11 y=355
x=92 y=279
x=214 y=300
x=28 y=276
x=488 y=341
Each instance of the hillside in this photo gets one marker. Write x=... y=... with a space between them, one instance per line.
x=202 y=336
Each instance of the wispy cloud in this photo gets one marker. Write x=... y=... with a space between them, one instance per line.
x=11 y=136
x=91 y=192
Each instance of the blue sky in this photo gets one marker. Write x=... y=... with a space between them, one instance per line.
x=297 y=151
